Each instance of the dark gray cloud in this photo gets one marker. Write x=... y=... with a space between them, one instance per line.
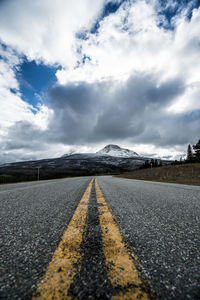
x=24 y=135
x=171 y=130
x=111 y=111
x=76 y=109
x=3 y=1
x=135 y=106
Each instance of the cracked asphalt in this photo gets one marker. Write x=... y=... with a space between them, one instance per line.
x=159 y=221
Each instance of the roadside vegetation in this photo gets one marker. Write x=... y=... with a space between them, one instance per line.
x=185 y=171
x=18 y=175
x=182 y=173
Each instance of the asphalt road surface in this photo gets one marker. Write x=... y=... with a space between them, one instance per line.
x=159 y=224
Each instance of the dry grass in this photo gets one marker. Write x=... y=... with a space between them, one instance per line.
x=184 y=174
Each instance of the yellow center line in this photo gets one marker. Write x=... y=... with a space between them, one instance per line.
x=122 y=272
x=61 y=270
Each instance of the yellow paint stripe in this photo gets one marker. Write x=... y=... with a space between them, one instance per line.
x=61 y=270
x=122 y=272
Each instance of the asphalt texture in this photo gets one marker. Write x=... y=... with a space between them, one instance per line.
x=33 y=217
x=161 y=223
x=92 y=282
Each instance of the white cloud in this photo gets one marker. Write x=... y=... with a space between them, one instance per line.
x=12 y=108
x=128 y=44
x=186 y=47
x=130 y=41
x=45 y=30
x=188 y=102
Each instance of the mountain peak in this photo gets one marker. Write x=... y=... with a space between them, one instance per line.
x=115 y=150
x=111 y=146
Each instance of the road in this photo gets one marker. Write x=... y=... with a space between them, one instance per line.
x=108 y=238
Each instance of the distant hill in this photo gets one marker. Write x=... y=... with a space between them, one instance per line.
x=112 y=159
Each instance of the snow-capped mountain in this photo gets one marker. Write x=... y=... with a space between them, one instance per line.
x=112 y=159
x=115 y=150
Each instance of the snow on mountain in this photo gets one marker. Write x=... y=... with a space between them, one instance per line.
x=69 y=153
x=115 y=150
x=109 y=150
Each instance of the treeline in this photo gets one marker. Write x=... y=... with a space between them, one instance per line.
x=153 y=163
x=193 y=156
x=19 y=176
x=193 y=153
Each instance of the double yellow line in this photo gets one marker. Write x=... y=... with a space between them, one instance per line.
x=61 y=270
x=122 y=272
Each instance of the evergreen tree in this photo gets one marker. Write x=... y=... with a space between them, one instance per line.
x=189 y=154
x=197 y=151
x=175 y=162
x=146 y=164
x=152 y=163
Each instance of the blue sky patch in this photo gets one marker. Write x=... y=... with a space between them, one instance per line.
x=176 y=8
x=34 y=79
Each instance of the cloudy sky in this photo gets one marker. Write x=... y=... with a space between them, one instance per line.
x=77 y=75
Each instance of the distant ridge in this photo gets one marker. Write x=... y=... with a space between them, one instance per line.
x=112 y=159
